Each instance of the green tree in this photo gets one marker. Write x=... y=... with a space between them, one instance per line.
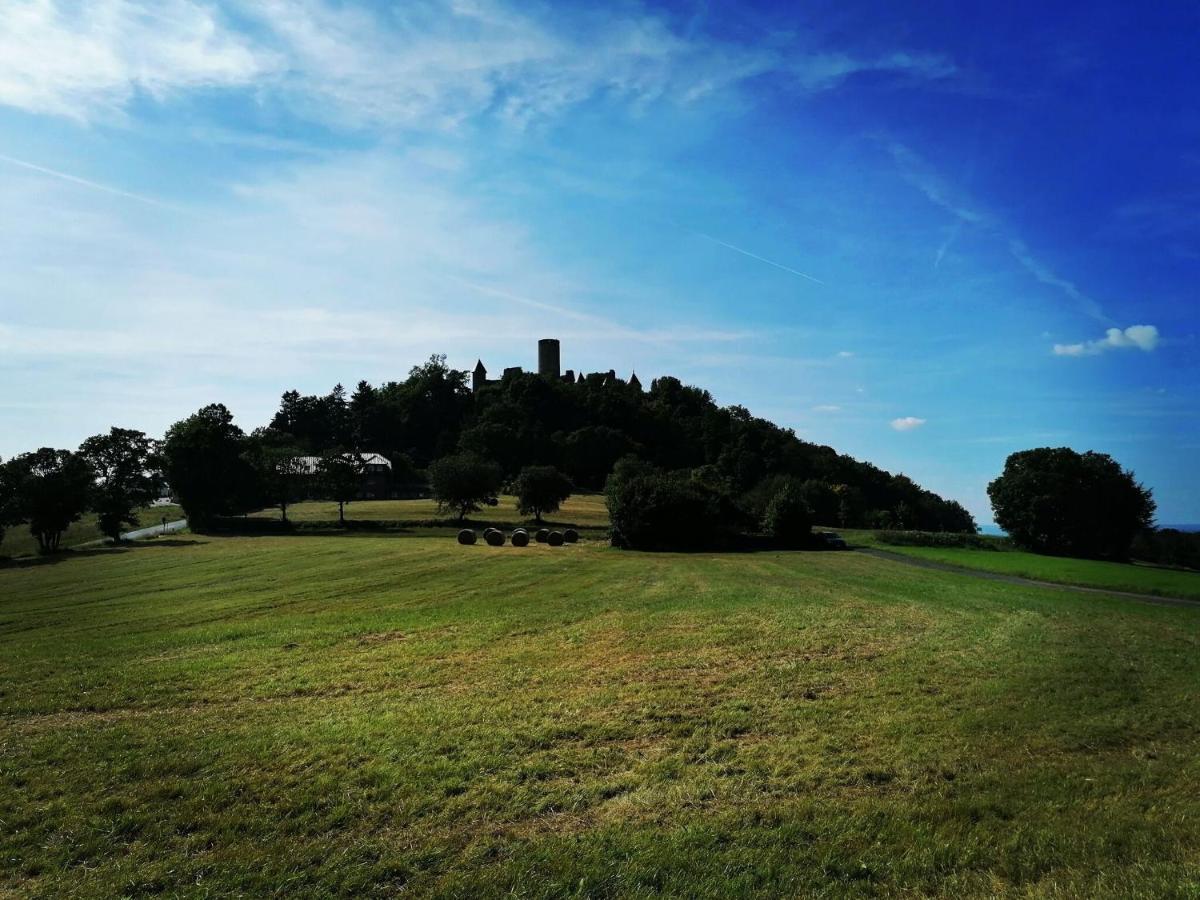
x=541 y=490
x=788 y=518
x=7 y=506
x=123 y=461
x=282 y=473
x=341 y=474
x=203 y=458
x=1058 y=501
x=50 y=489
x=464 y=483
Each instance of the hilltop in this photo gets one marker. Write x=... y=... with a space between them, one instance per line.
x=584 y=425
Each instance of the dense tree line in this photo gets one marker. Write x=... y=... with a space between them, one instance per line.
x=582 y=429
x=539 y=437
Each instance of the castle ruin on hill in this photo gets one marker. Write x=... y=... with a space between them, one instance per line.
x=549 y=366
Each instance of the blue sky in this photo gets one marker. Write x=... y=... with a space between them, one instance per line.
x=924 y=236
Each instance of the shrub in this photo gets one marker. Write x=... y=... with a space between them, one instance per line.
x=942 y=539
x=788 y=518
x=655 y=510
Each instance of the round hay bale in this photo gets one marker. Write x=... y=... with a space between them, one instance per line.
x=494 y=538
x=555 y=539
x=520 y=539
x=543 y=535
x=466 y=536
x=571 y=536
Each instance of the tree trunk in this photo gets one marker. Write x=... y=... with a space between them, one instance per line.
x=342 y=512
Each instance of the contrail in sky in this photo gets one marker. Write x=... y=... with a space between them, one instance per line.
x=762 y=259
x=94 y=185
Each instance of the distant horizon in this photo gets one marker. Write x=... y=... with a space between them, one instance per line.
x=927 y=240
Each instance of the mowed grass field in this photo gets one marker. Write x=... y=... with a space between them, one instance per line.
x=19 y=542
x=579 y=511
x=368 y=715
x=1133 y=577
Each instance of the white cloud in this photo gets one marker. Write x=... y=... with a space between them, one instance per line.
x=825 y=70
x=826 y=408
x=423 y=63
x=907 y=423
x=1141 y=337
x=845 y=354
x=91 y=59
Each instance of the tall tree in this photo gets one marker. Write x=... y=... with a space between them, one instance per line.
x=50 y=489
x=341 y=475
x=1055 y=500
x=123 y=461
x=203 y=458
x=282 y=473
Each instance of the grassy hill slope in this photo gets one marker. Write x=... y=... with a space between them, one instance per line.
x=1133 y=577
x=360 y=714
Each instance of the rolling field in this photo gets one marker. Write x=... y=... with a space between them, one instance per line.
x=1135 y=578
x=19 y=542
x=364 y=715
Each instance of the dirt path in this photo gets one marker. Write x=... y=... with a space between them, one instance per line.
x=1017 y=579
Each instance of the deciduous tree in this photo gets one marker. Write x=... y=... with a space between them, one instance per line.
x=464 y=483
x=1055 y=500
x=123 y=462
x=541 y=490
x=50 y=490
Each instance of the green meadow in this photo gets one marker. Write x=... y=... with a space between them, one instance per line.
x=19 y=542
x=1132 y=577
x=376 y=714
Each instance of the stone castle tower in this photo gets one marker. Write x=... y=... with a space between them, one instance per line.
x=549 y=366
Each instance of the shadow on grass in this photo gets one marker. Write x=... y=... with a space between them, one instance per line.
x=84 y=553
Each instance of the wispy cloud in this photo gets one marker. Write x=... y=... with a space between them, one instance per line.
x=917 y=172
x=1141 y=337
x=424 y=63
x=761 y=259
x=89 y=60
x=91 y=185
x=907 y=423
x=1046 y=276
x=827 y=408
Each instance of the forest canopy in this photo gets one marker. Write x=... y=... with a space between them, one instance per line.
x=583 y=428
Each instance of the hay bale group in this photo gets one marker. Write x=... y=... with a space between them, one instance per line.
x=494 y=537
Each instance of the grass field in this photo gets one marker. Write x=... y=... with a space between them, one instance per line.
x=369 y=714
x=19 y=542
x=1136 y=578
x=580 y=511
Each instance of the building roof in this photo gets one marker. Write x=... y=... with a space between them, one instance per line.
x=311 y=464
